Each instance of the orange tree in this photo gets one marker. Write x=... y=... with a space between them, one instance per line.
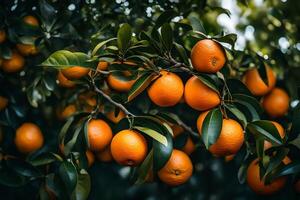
x=96 y=97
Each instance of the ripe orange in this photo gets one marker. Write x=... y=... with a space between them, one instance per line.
x=104 y=155
x=177 y=170
x=189 y=146
x=29 y=138
x=281 y=132
x=208 y=56
x=167 y=90
x=102 y=65
x=229 y=158
x=119 y=84
x=3 y=102
x=177 y=130
x=258 y=185
x=64 y=82
x=115 y=119
x=68 y=111
x=90 y=157
x=199 y=96
x=256 y=85
x=128 y=147
x=14 y=64
x=297 y=186
x=99 y=134
x=75 y=72
x=27 y=49
x=31 y=20
x=276 y=103
x=88 y=98
x=2 y=36
x=230 y=139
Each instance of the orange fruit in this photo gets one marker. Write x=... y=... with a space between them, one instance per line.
x=199 y=96
x=3 y=102
x=256 y=85
x=27 y=49
x=63 y=81
x=29 y=138
x=229 y=158
x=230 y=139
x=75 y=72
x=208 y=56
x=115 y=119
x=128 y=147
x=104 y=155
x=88 y=98
x=297 y=186
x=177 y=130
x=102 y=65
x=281 y=132
x=68 y=111
x=189 y=146
x=276 y=103
x=119 y=84
x=2 y=36
x=31 y=20
x=14 y=64
x=99 y=134
x=177 y=170
x=90 y=157
x=167 y=90
x=258 y=185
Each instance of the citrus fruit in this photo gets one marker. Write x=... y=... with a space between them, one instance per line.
x=128 y=147
x=75 y=72
x=199 y=96
x=90 y=158
x=177 y=170
x=102 y=65
x=281 y=132
x=104 y=155
x=120 y=84
x=189 y=146
x=177 y=130
x=27 y=49
x=63 y=81
x=2 y=36
x=99 y=134
x=3 y=102
x=276 y=103
x=115 y=119
x=31 y=20
x=166 y=90
x=68 y=111
x=208 y=56
x=29 y=138
x=14 y=64
x=256 y=85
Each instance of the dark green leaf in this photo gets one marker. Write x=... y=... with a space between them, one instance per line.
x=167 y=36
x=154 y=134
x=68 y=174
x=234 y=110
x=164 y=17
x=124 y=37
x=83 y=186
x=145 y=168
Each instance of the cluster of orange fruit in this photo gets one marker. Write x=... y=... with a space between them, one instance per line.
x=16 y=62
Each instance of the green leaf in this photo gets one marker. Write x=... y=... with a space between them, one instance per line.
x=229 y=39
x=22 y=168
x=83 y=186
x=164 y=17
x=250 y=103
x=208 y=81
x=292 y=168
x=45 y=158
x=63 y=59
x=196 y=24
x=86 y=133
x=211 y=127
x=167 y=36
x=154 y=134
x=144 y=168
x=262 y=70
x=277 y=159
x=124 y=37
x=295 y=129
x=238 y=87
x=100 y=45
x=64 y=130
x=181 y=51
x=10 y=178
x=221 y=10
x=260 y=146
x=140 y=85
x=68 y=174
x=234 y=110
x=69 y=146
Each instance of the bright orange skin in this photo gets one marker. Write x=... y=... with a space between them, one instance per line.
x=281 y=132
x=68 y=111
x=31 y=20
x=128 y=147
x=102 y=65
x=14 y=64
x=230 y=139
x=118 y=84
x=90 y=158
x=115 y=119
x=177 y=170
x=29 y=138
x=3 y=102
x=27 y=49
x=189 y=146
x=64 y=82
x=76 y=72
x=104 y=155
x=2 y=36
x=198 y=96
x=99 y=134
x=208 y=56
x=297 y=186
x=167 y=90
x=256 y=85
x=229 y=158
x=258 y=185
x=276 y=103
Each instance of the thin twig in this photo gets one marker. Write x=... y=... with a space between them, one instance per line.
x=187 y=128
